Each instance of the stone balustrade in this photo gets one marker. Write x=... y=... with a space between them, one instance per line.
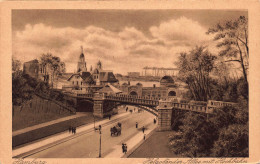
x=150 y=101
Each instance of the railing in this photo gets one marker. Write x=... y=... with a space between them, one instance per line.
x=133 y=99
x=150 y=101
x=72 y=110
x=190 y=107
x=213 y=103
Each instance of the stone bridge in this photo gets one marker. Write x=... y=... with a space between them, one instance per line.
x=166 y=111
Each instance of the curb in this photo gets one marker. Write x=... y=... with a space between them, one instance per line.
x=138 y=144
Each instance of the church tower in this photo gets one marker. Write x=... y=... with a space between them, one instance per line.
x=82 y=65
x=99 y=65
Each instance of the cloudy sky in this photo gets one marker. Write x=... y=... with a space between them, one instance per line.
x=124 y=40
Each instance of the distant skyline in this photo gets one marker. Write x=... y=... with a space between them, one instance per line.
x=124 y=40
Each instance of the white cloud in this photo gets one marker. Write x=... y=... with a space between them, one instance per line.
x=183 y=30
x=127 y=50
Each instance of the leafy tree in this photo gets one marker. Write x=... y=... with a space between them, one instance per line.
x=223 y=134
x=232 y=142
x=233 y=40
x=57 y=67
x=16 y=65
x=21 y=90
x=194 y=69
x=242 y=88
x=195 y=138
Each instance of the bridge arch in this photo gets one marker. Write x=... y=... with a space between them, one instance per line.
x=84 y=105
x=146 y=108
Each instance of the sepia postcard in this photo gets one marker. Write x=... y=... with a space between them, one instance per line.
x=130 y=82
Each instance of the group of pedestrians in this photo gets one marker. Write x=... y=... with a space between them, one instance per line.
x=72 y=130
x=124 y=148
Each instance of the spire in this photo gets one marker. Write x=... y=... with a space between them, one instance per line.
x=81 y=49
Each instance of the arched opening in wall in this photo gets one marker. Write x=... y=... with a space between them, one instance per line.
x=84 y=106
x=133 y=93
x=172 y=93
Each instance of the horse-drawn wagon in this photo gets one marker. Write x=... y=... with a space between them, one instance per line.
x=116 y=130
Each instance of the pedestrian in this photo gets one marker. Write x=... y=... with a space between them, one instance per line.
x=143 y=129
x=144 y=136
x=125 y=148
x=154 y=121
x=69 y=129
x=75 y=130
x=136 y=125
x=109 y=117
x=126 y=109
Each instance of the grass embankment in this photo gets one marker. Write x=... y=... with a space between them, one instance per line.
x=51 y=130
x=156 y=146
x=36 y=112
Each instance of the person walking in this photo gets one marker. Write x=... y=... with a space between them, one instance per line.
x=125 y=148
x=69 y=129
x=154 y=121
x=136 y=125
x=126 y=109
x=109 y=117
x=143 y=129
x=75 y=130
x=144 y=136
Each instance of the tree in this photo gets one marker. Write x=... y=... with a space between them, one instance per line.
x=21 y=90
x=56 y=66
x=195 y=137
x=232 y=142
x=233 y=40
x=16 y=65
x=194 y=69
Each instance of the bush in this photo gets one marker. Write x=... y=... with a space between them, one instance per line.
x=232 y=142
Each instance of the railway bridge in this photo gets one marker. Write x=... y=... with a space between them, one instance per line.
x=167 y=111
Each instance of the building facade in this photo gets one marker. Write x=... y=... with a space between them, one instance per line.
x=84 y=80
x=166 y=90
x=38 y=71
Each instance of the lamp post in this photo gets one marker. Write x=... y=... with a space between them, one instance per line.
x=94 y=122
x=99 y=141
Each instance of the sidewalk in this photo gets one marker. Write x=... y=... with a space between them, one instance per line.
x=59 y=138
x=132 y=144
x=17 y=132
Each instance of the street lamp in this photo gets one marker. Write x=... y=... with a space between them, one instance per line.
x=99 y=141
x=94 y=122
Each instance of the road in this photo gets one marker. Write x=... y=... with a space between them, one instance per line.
x=87 y=145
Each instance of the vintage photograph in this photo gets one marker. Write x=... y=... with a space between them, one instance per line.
x=136 y=83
